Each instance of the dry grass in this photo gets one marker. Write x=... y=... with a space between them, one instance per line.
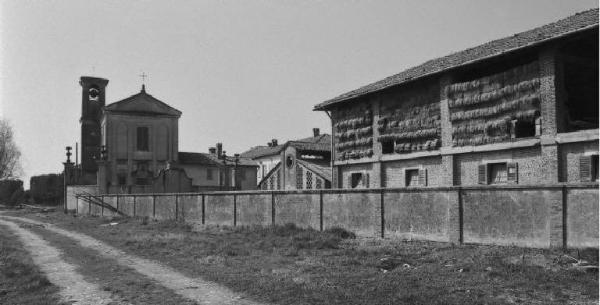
x=290 y=265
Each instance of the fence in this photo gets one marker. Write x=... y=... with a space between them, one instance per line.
x=529 y=216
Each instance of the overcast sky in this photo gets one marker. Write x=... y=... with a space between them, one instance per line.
x=242 y=72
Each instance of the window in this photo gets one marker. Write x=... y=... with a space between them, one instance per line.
x=141 y=181
x=595 y=168
x=142 y=139
x=523 y=129
x=412 y=177
x=498 y=173
x=122 y=179
x=142 y=174
x=209 y=174
x=278 y=180
x=319 y=184
x=387 y=147
x=588 y=168
x=299 y=184
x=309 y=180
x=358 y=180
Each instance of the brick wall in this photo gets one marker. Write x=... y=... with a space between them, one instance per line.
x=346 y=171
x=569 y=159
x=393 y=172
x=530 y=165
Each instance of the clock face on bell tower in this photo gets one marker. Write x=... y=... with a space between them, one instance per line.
x=94 y=94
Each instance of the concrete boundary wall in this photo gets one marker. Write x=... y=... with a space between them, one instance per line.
x=561 y=215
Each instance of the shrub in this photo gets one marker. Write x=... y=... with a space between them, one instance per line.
x=341 y=233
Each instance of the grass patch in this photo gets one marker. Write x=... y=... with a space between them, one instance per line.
x=21 y=281
x=292 y=265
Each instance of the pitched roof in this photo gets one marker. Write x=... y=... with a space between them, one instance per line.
x=212 y=160
x=142 y=103
x=318 y=167
x=261 y=151
x=318 y=143
x=196 y=158
x=575 y=23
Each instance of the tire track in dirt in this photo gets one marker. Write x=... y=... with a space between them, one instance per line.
x=196 y=289
x=73 y=287
x=111 y=276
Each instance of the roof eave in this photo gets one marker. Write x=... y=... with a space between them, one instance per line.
x=324 y=106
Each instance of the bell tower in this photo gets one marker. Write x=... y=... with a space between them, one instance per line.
x=93 y=92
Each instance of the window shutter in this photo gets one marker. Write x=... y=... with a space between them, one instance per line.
x=482 y=173
x=366 y=180
x=512 y=172
x=585 y=168
x=423 y=177
x=349 y=181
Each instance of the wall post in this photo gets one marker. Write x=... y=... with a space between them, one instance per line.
x=558 y=219
x=153 y=206
x=321 y=210
x=272 y=208
x=203 y=210
x=382 y=214
x=234 y=210
x=176 y=207
x=455 y=219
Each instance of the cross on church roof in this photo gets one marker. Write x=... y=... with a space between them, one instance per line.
x=143 y=76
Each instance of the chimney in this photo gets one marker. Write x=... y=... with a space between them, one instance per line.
x=274 y=142
x=212 y=150
x=219 y=149
x=316 y=132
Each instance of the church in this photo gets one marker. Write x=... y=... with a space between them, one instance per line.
x=132 y=146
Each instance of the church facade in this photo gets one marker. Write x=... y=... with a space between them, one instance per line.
x=132 y=146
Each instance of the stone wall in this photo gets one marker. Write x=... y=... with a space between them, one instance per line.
x=528 y=216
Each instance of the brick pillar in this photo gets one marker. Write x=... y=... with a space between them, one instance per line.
x=376 y=171
x=556 y=200
x=375 y=179
x=446 y=126
x=334 y=172
x=548 y=105
x=455 y=217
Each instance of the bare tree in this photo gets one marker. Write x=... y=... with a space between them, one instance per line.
x=10 y=167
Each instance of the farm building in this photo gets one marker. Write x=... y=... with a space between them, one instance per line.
x=297 y=164
x=517 y=110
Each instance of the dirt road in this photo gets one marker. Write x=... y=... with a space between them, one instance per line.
x=76 y=289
